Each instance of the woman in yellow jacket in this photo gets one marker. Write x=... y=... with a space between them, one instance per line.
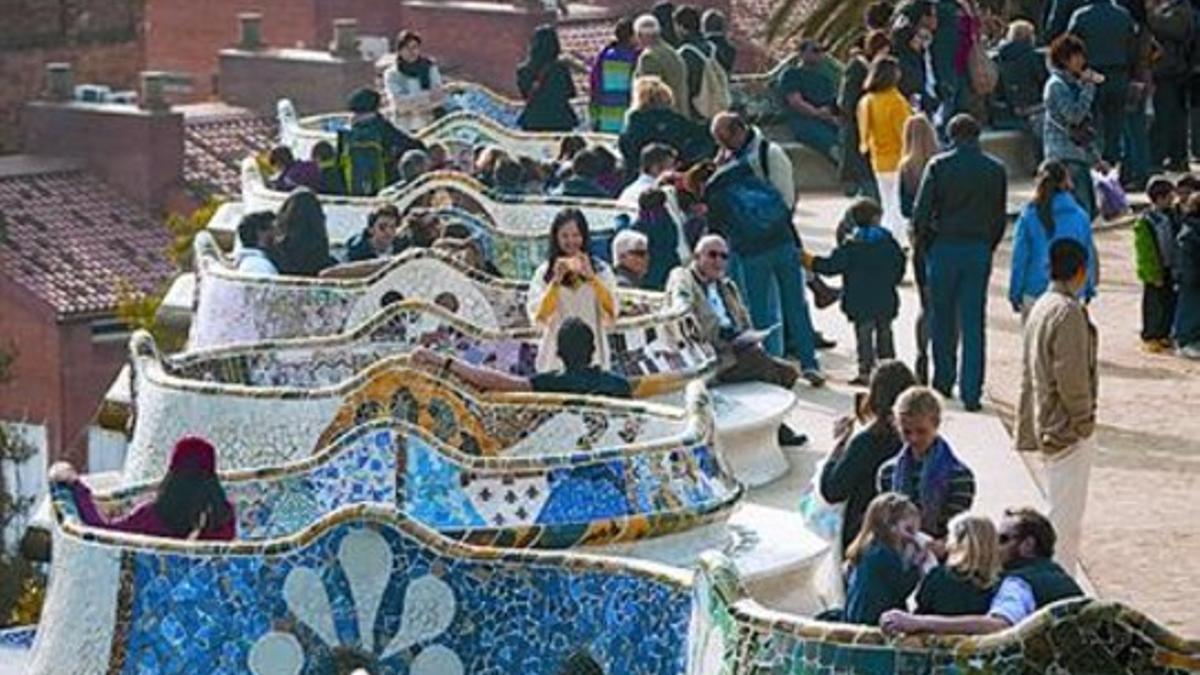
x=882 y=112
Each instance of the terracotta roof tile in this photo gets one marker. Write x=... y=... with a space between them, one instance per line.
x=215 y=145
x=70 y=239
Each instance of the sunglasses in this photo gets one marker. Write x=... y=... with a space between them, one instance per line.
x=717 y=254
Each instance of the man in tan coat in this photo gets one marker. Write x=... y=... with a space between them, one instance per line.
x=1060 y=357
x=660 y=59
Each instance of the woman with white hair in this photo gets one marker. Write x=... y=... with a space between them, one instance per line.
x=631 y=254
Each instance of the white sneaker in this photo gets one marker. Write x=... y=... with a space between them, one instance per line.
x=1191 y=351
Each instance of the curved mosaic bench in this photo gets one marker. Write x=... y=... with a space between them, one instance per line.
x=520 y=217
x=731 y=634
x=562 y=496
x=753 y=95
x=460 y=131
x=233 y=307
x=486 y=102
x=289 y=394
x=363 y=587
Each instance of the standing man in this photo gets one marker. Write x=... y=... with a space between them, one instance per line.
x=1109 y=34
x=659 y=58
x=1060 y=357
x=959 y=228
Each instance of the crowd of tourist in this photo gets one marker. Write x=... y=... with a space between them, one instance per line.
x=715 y=201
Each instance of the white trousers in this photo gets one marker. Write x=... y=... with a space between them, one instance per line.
x=1067 y=474
x=889 y=197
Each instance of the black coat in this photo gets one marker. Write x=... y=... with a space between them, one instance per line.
x=1022 y=74
x=662 y=125
x=872 y=264
x=945 y=210
x=547 y=91
x=851 y=477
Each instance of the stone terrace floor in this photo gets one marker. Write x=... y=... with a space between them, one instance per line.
x=1141 y=534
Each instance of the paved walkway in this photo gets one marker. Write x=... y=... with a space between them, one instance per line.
x=1142 y=527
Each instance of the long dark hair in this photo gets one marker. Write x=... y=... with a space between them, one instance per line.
x=1051 y=175
x=303 y=246
x=567 y=215
x=187 y=499
x=883 y=74
x=890 y=379
x=544 y=47
x=421 y=68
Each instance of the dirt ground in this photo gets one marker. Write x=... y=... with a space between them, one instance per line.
x=1142 y=526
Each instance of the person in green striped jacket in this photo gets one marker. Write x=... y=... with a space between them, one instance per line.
x=611 y=80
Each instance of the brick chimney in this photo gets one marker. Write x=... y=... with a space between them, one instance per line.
x=138 y=149
x=250 y=33
x=316 y=81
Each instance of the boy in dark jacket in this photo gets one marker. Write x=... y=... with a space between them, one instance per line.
x=1155 y=259
x=873 y=265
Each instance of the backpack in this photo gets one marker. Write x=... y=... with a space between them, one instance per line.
x=760 y=217
x=360 y=150
x=713 y=96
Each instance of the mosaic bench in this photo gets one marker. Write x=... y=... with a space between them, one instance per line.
x=508 y=217
x=486 y=102
x=558 y=494
x=276 y=402
x=362 y=588
x=461 y=132
x=234 y=307
x=731 y=634
x=316 y=602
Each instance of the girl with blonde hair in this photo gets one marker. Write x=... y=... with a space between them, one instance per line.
x=884 y=560
x=965 y=584
x=920 y=145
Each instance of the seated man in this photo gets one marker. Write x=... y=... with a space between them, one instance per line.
x=378 y=239
x=809 y=92
x=725 y=322
x=256 y=234
x=1031 y=581
x=655 y=160
x=576 y=343
x=581 y=182
x=631 y=253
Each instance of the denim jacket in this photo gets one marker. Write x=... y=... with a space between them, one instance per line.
x=1068 y=102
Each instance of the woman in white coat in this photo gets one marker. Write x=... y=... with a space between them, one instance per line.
x=413 y=84
x=571 y=283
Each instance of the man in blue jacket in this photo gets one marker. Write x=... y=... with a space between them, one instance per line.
x=959 y=219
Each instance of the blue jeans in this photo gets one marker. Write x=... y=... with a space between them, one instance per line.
x=818 y=134
x=958 y=280
x=1136 y=167
x=773 y=286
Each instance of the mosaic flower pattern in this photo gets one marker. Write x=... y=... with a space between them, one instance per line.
x=366 y=562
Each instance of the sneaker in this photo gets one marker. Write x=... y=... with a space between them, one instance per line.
x=787 y=437
x=1191 y=351
x=822 y=342
x=814 y=378
x=973 y=406
x=1167 y=343
x=861 y=381
x=1153 y=346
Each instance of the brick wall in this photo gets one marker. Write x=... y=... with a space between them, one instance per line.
x=138 y=152
x=33 y=393
x=186 y=35
x=101 y=38
x=315 y=81
x=482 y=43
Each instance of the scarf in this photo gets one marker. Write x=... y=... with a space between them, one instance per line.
x=937 y=469
x=418 y=69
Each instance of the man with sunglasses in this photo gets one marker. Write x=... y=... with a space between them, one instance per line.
x=1031 y=581
x=725 y=322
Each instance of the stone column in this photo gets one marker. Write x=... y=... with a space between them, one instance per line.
x=60 y=81
x=345 y=38
x=152 y=96
x=250 y=31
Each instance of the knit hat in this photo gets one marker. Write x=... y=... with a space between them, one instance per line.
x=193 y=454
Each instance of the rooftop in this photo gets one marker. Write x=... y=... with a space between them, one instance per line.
x=70 y=239
x=217 y=138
